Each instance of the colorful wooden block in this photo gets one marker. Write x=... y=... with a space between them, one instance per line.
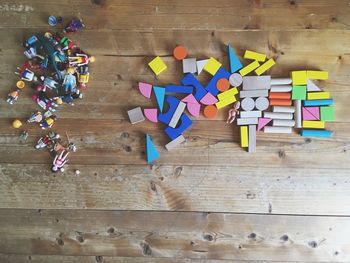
x=190 y=99
x=313 y=124
x=280 y=95
x=185 y=123
x=278 y=115
x=277 y=129
x=244 y=136
x=208 y=99
x=283 y=123
x=256 y=82
x=151 y=114
x=316 y=133
x=252 y=138
x=228 y=93
x=157 y=65
x=166 y=116
x=254 y=56
x=297 y=113
x=247 y=104
x=318 y=95
x=280 y=102
x=225 y=102
x=190 y=80
x=174 y=143
x=235 y=64
x=290 y=109
x=281 y=88
x=249 y=68
x=315 y=74
x=145 y=89
x=311 y=86
x=235 y=79
x=200 y=65
x=212 y=66
x=136 y=115
x=247 y=121
x=281 y=81
x=152 y=153
x=178 y=89
x=262 y=122
x=311 y=113
x=264 y=67
x=327 y=113
x=253 y=93
x=326 y=102
x=211 y=86
x=177 y=114
x=189 y=65
x=299 y=93
x=160 y=95
x=250 y=114
x=194 y=109
x=262 y=103
x=299 y=78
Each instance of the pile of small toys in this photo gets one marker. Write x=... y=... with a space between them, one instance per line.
x=294 y=102
x=57 y=70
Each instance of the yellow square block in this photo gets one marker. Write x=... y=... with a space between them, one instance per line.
x=268 y=64
x=249 y=68
x=227 y=93
x=157 y=65
x=244 y=136
x=313 y=124
x=318 y=95
x=223 y=103
x=254 y=55
x=316 y=74
x=299 y=77
x=212 y=66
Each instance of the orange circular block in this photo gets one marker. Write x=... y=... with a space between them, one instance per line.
x=180 y=52
x=210 y=111
x=223 y=84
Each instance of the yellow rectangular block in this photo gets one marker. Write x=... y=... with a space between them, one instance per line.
x=268 y=64
x=244 y=136
x=212 y=66
x=249 y=68
x=157 y=65
x=313 y=124
x=223 y=103
x=227 y=93
x=317 y=74
x=299 y=77
x=318 y=95
x=254 y=55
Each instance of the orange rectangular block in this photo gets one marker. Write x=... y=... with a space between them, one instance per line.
x=280 y=95
x=280 y=102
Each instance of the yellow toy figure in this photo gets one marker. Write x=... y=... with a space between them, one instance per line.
x=80 y=60
x=48 y=122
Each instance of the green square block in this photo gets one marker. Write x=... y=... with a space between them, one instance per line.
x=327 y=113
x=299 y=93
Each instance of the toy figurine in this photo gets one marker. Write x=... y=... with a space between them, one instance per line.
x=49 y=83
x=44 y=102
x=69 y=81
x=48 y=122
x=35 y=117
x=80 y=60
x=59 y=161
x=24 y=135
x=12 y=97
x=83 y=76
x=42 y=142
x=73 y=26
x=30 y=53
x=232 y=113
x=26 y=74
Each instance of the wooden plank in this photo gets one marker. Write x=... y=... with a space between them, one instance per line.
x=181 y=188
x=175 y=235
x=194 y=15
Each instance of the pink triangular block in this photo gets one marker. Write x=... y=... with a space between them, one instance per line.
x=194 y=109
x=145 y=89
x=151 y=114
x=190 y=99
x=263 y=122
x=209 y=99
x=311 y=113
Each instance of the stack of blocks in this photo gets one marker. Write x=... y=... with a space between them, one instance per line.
x=257 y=94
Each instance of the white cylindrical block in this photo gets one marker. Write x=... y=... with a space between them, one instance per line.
x=247 y=104
x=262 y=103
x=250 y=114
x=278 y=115
x=236 y=79
x=281 y=81
x=290 y=109
x=297 y=113
x=281 y=88
x=277 y=129
x=284 y=123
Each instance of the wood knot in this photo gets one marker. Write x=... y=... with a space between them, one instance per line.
x=208 y=237
x=334 y=19
x=110 y=230
x=125 y=135
x=292 y=2
x=99 y=259
x=252 y=236
x=284 y=238
x=178 y=171
x=312 y=244
x=308 y=140
x=80 y=239
x=281 y=154
x=153 y=186
x=127 y=148
x=146 y=249
x=60 y=241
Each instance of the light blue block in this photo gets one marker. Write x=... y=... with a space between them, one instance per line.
x=235 y=64
x=152 y=153
x=316 y=133
x=160 y=94
x=325 y=102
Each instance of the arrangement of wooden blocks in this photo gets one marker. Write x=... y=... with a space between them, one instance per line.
x=271 y=105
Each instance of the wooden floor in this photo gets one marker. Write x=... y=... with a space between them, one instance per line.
x=208 y=201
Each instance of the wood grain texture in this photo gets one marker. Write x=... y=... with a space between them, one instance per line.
x=175 y=235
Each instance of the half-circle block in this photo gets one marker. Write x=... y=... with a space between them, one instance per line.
x=145 y=89
x=209 y=99
x=194 y=109
x=151 y=114
x=190 y=99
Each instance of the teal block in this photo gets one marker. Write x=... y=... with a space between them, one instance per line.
x=299 y=93
x=152 y=153
x=160 y=95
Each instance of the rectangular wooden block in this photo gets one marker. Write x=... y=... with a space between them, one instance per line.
x=244 y=136
x=297 y=114
x=212 y=66
x=313 y=124
x=250 y=114
x=254 y=55
x=174 y=143
x=299 y=77
x=316 y=74
x=228 y=93
x=227 y=101
x=283 y=123
x=289 y=109
x=253 y=93
x=249 y=68
x=280 y=102
x=325 y=102
x=136 y=115
x=278 y=115
x=318 y=95
x=189 y=65
x=264 y=67
x=157 y=65
x=277 y=129
x=256 y=82
x=252 y=138
x=247 y=121
x=327 y=113
x=281 y=81
x=177 y=114
x=281 y=88
x=316 y=133
x=280 y=95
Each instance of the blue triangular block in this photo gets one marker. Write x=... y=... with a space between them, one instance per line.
x=160 y=94
x=235 y=64
x=152 y=153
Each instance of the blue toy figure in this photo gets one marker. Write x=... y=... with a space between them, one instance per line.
x=69 y=81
